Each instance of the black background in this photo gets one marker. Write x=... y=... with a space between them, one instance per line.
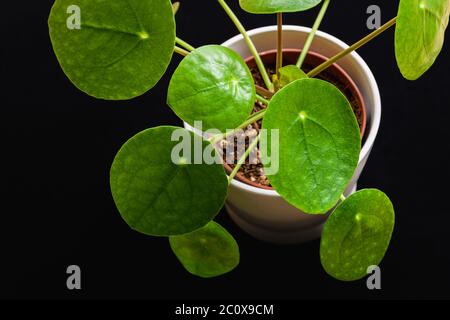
x=58 y=144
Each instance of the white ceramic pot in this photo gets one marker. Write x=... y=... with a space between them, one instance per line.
x=263 y=213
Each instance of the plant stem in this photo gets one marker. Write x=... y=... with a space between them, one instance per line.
x=184 y=44
x=181 y=51
x=354 y=47
x=262 y=99
x=250 y=44
x=250 y=120
x=312 y=34
x=343 y=198
x=242 y=159
x=256 y=113
x=279 y=62
x=263 y=91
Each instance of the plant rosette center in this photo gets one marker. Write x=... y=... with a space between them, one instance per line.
x=233 y=147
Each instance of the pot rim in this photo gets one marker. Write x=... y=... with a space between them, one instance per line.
x=372 y=126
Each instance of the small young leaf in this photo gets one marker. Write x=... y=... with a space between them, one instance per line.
x=275 y=6
x=175 y=7
x=120 y=49
x=208 y=252
x=419 y=35
x=319 y=143
x=357 y=235
x=214 y=85
x=289 y=74
x=158 y=197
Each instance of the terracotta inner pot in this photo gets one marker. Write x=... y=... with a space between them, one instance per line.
x=334 y=74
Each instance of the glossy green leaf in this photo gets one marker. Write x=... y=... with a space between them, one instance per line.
x=121 y=49
x=290 y=73
x=419 y=35
x=214 y=85
x=357 y=235
x=319 y=143
x=208 y=252
x=275 y=6
x=159 y=196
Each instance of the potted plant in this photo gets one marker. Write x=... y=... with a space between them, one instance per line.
x=171 y=182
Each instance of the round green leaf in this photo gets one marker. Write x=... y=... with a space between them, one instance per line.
x=419 y=35
x=214 y=85
x=158 y=196
x=319 y=143
x=275 y=6
x=121 y=48
x=208 y=252
x=357 y=235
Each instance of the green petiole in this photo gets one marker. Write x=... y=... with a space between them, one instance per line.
x=250 y=44
x=180 y=51
x=242 y=159
x=312 y=34
x=184 y=44
x=352 y=48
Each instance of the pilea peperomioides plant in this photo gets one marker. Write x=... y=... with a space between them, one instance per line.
x=122 y=48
